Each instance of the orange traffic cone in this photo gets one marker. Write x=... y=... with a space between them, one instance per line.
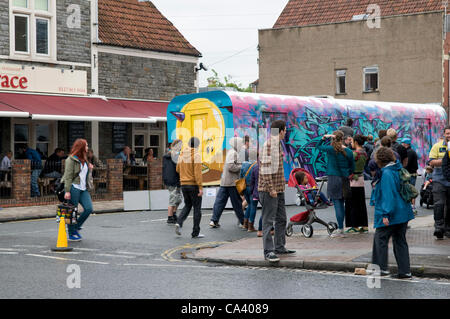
x=61 y=244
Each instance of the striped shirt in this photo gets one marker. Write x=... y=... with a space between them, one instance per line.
x=271 y=173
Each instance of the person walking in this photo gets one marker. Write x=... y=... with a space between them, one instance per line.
x=189 y=167
x=172 y=180
x=246 y=172
x=411 y=167
x=227 y=188
x=355 y=206
x=391 y=217
x=340 y=166
x=441 y=187
x=271 y=187
x=78 y=181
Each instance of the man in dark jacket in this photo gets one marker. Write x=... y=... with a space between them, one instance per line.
x=172 y=180
x=53 y=164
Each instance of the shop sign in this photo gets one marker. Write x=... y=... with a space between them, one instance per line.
x=14 y=77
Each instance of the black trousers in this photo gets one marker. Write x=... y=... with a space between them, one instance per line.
x=441 y=207
x=191 y=200
x=401 y=251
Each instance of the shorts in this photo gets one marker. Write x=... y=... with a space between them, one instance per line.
x=175 y=197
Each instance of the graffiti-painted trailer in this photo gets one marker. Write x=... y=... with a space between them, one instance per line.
x=209 y=115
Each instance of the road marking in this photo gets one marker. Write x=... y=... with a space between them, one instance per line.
x=86 y=249
x=136 y=254
x=12 y=249
x=189 y=217
x=167 y=255
x=60 y=252
x=9 y=253
x=166 y=266
x=68 y=259
x=30 y=246
x=116 y=256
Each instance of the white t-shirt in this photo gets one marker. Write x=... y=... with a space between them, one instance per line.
x=83 y=176
x=6 y=163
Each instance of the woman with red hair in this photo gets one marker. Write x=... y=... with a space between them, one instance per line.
x=78 y=181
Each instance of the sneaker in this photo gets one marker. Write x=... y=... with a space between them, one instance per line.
x=338 y=233
x=214 y=224
x=178 y=229
x=352 y=230
x=415 y=211
x=171 y=220
x=199 y=236
x=74 y=237
x=330 y=204
x=384 y=273
x=403 y=276
x=447 y=234
x=439 y=234
x=363 y=230
x=271 y=257
x=285 y=251
x=259 y=233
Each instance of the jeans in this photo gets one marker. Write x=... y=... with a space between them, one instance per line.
x=401 y=251
x=84 y=199
x=250 y=211
x=273 y=211
x=339 y=209
x=221 y=201
x=312 y=195
x=34 y=182
x=441 y=197
x=191 y=199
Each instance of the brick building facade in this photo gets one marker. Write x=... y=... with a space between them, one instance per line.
x=103 y=70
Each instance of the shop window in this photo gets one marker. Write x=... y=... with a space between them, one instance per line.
x=33 y=29
x=42 y=139
x=21 y=136
x=371 y=79
x=154 y=144
x=139 y=145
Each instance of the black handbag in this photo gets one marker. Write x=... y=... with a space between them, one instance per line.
x=346 y=189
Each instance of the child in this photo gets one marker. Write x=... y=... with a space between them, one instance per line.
x=428 y=180
x=303 y=183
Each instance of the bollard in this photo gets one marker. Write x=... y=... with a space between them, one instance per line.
x=61 y=244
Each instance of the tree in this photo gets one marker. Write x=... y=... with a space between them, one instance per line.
x=214 y=81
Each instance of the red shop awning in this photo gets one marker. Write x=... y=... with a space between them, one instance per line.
x=72 y=108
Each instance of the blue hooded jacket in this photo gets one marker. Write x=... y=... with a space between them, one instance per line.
x=387 y=200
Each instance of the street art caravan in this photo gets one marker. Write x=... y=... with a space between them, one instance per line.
x=215 y=117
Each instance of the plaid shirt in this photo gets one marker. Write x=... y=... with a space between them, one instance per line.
x=271 y=173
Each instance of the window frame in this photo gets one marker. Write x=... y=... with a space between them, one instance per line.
x=367 y=71
x=338 y=76
x=33 y=15
x=28 y=34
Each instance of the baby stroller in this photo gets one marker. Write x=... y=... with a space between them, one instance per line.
x=426 y=195
x=306 y=218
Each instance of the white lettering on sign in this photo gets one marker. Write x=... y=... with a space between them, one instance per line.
x=74 y=19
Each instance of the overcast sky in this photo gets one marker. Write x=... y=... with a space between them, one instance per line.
x=225 y=32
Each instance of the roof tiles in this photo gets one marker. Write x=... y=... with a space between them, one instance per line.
x=311 y=12
x=140 y=25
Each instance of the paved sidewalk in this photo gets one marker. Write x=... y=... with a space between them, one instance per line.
x=429 y=257
x=49 y=211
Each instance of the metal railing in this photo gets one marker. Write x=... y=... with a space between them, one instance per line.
x=135 y=178
x=6 y=184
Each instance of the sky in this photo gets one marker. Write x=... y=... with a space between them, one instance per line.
x=225 y=32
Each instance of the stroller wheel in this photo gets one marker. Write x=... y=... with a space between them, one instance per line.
x=307 y=231
x=289 y=230
x=331 y=227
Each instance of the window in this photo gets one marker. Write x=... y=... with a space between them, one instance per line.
x=41 y=136
x=371 y=79
x=33 y=29
x=340 y=81
x=145 y=136
x=21 y=33
x=42 y=139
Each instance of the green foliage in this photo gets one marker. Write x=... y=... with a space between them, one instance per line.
x=214 y=81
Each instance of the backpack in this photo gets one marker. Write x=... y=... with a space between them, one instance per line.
x=407 y=190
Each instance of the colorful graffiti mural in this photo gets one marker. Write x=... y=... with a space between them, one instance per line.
x=307 y=118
